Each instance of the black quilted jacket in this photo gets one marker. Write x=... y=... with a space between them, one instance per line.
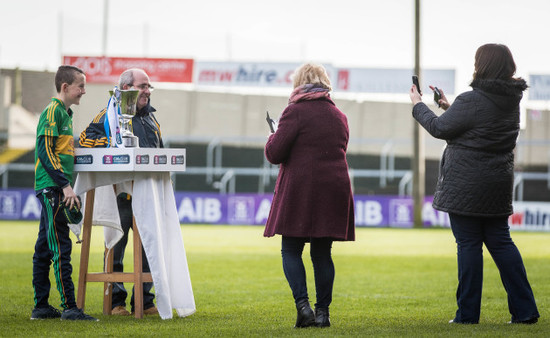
x=481 y=128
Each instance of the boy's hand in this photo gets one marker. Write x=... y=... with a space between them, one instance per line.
x=69 y=197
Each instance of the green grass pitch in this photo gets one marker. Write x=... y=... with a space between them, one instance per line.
x=389 y=282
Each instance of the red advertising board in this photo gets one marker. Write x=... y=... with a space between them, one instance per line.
x=100 y=69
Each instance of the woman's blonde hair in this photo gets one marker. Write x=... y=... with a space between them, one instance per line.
x=310 y=73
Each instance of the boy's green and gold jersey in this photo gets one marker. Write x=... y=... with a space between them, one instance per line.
x=54 y=154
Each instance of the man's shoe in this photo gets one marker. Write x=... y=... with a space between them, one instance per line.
x=120 y=311
x=322 y=318
x=45 y=313
x=151 y=311
x=76 y=314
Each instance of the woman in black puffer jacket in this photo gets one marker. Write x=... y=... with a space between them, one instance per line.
x=476 y=180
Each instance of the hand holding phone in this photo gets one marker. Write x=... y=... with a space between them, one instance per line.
x=272 y=124
x=440 y=99
x=437 y=96
x=415 y=82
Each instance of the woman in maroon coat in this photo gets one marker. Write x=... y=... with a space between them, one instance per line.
x=313 y=201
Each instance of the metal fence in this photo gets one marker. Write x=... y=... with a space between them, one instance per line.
x=223 y=178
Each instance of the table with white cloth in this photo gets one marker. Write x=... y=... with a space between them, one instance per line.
x=155 y=217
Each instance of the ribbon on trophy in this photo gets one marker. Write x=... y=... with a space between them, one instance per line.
x=112 y=120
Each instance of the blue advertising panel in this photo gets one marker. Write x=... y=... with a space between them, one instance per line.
x=253 y=209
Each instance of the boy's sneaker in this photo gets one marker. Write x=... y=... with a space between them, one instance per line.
x=45 y=313
x=76 y=314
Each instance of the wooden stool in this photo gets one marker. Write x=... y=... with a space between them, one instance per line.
x=138 y=277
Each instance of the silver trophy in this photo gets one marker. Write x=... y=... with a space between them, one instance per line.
x=127 y=100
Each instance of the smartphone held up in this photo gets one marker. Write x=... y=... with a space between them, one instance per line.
x=437 y=96
x=272 y=123
x=416 y=83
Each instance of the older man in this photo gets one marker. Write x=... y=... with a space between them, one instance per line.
x=145 y=126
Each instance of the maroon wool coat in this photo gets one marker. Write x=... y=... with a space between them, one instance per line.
x=313 y=195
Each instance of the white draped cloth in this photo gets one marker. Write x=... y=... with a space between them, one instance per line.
x=156 y=216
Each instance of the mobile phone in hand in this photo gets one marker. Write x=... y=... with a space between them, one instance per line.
x=270 y=122
x=437 y=96
x=415 y=82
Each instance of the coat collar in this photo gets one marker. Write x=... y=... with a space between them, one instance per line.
x=501 y=87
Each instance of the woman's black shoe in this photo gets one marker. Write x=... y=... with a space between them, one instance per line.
x=533 y=320
x=305 y=317
x=322 y=318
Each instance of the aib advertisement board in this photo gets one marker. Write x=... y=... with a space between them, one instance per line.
x=253 y=209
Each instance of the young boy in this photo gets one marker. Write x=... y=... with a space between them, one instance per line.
x=54 y=161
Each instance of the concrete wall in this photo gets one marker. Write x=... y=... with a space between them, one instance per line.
x=206 y=114
x=5 y=88
x=373 y=125
x=21 y=128
x=192 y=113
x=37 y=88
x=534 y=142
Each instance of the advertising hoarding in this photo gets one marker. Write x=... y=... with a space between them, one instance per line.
x=539 y=87
x=245 y=74
x=253 y=209
x=100 y=69
x=394 y=81
x=359 y=80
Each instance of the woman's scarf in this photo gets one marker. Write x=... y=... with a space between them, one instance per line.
x=308 y=92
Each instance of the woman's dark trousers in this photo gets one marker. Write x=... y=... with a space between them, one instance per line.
x=323 y=268
x=470 y=234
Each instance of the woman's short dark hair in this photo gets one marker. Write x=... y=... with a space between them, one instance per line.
x=66 y=74
x=494 y=61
